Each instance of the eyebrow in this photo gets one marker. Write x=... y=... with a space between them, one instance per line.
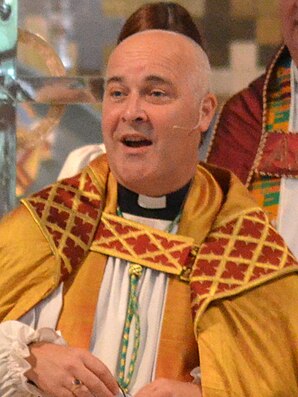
x=113 y=79
x=151 y=78
x=158 y=79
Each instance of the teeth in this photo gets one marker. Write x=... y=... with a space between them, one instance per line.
x=133 y=139
x=136 y=142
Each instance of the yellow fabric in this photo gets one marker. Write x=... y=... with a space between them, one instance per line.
x=44 y=262
x=177 y=343
x=239 y=337
x=45 y=207
x=203 y=203
x=248 y=344
x=29 y=270
x=126 y=234
x=90 y=273
x=178 y=350
x=80 y=301
x=244 y=261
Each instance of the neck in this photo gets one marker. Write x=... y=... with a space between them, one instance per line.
x=163 y=207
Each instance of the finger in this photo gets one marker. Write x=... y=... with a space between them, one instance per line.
x=76 y=389
x=62 y=392
x=102 y=373
x=55 y=390
x=93 y=383
x=65 y=392
x=82 y=391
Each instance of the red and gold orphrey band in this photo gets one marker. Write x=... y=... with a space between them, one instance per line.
x=156 y=249
x=237 y=254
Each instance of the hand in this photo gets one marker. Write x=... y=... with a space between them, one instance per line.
x=55 y=367
x=169 y=388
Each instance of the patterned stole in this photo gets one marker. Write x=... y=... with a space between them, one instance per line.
x=137 y=243
x=224 y=247
x=128 y=240
x=80 y=300
x=265 y=186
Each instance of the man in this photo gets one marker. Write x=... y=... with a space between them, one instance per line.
x=163 y=15
x=256 y=133
x=112 y=256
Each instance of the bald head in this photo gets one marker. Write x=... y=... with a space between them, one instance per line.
x=180 y=48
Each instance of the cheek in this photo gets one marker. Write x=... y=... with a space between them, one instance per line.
x=181 y=143
x=105 y=128
x=169 y=122
x=174 y=143
x=109 y=120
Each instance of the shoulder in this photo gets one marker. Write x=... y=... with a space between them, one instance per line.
x=238 y=129
x=79 y=158
x=241 y=110
x=231 y=186
x=18 y=223
x=29 y=269
x=245 y=103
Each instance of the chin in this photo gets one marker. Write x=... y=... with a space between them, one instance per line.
x=131 y=180
x=139 y=183
x=147 y=187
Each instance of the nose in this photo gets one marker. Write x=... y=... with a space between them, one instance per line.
x=133 y=110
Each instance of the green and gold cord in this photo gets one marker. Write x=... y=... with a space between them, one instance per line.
x=135 y=272
x=124 y=380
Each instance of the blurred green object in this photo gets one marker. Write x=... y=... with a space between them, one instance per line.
x=8 y=25
x=8 y=44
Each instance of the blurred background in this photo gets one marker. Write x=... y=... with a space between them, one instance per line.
x=240 y=35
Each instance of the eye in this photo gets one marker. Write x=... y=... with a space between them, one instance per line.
x=158 y=96
x=116 y=94
x=157 y=93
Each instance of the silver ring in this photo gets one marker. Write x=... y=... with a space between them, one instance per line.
x=76 y=383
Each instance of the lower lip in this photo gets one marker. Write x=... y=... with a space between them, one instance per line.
x=136 y=150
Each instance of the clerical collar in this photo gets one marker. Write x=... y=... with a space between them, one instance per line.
x=164 y=207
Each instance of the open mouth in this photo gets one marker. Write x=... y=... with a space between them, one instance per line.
x=136 y=142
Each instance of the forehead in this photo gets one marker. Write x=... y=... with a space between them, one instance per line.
x=142 y=56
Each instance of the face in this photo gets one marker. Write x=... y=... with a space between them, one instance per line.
x=289 y=20
x=152 y=119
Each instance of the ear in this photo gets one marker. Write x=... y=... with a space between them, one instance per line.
x=207 y=110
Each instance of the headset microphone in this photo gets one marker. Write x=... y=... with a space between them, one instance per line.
x=178 y=127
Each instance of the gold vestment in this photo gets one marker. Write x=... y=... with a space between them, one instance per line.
x=237 y=279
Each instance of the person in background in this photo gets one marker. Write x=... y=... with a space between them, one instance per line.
x=152 y=267
x=256 y=133
x=160 y=15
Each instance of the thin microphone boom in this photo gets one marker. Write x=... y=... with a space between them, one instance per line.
x=178 y=127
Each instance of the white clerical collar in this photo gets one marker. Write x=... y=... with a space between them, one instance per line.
x=163 y=207
x=152 y=202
